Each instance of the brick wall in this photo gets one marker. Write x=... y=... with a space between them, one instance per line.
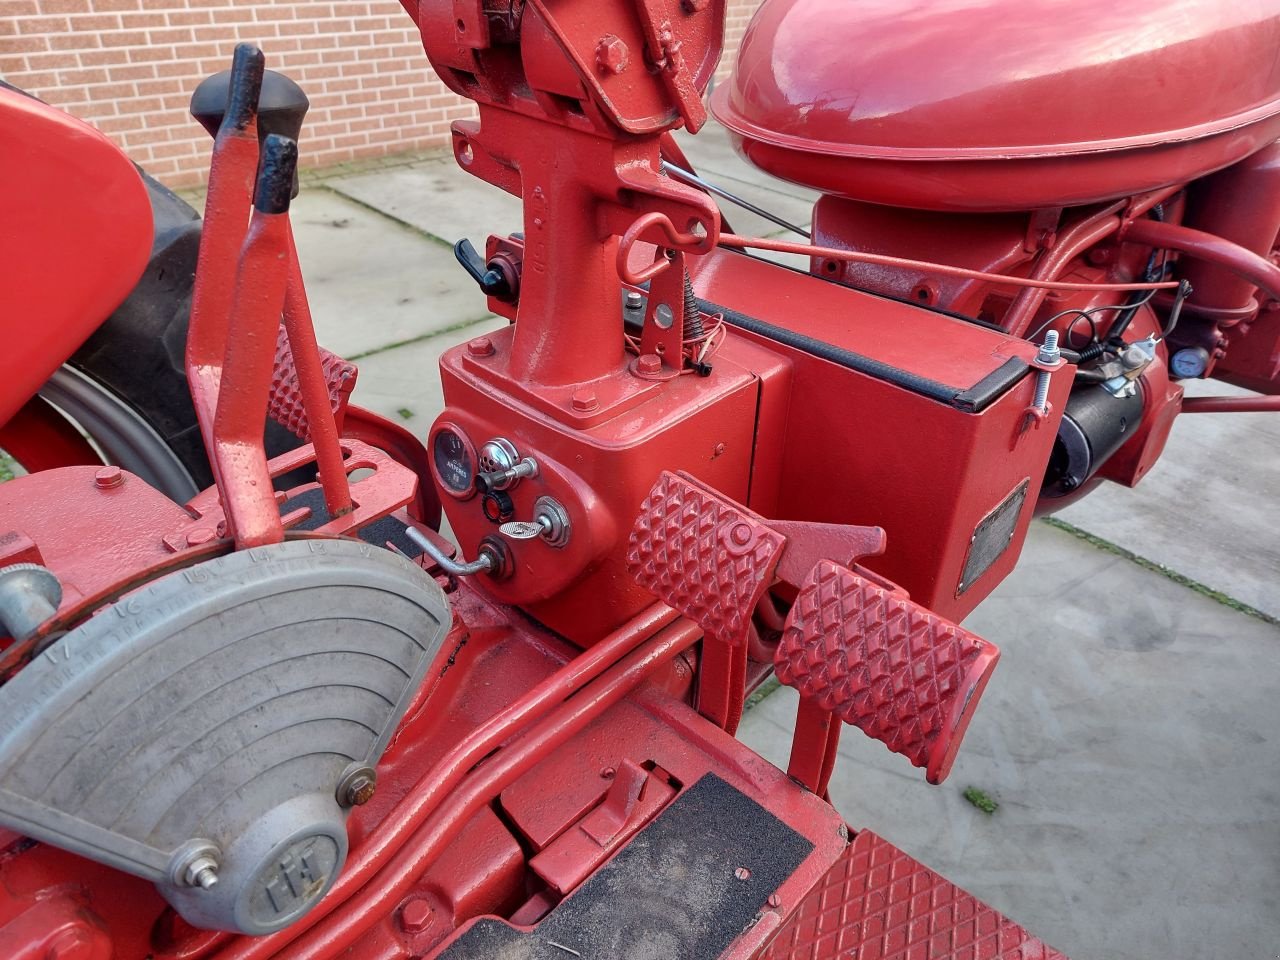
x=128 y=66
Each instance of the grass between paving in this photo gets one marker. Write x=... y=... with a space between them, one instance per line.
x=452 y=328
x=1181 y=579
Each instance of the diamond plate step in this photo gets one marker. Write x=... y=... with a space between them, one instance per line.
x=877 y=903
x=886 y=665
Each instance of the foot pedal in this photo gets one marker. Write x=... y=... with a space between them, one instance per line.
x=285 y=405
x=886 y=665
x=704 y=555
x=877 y=903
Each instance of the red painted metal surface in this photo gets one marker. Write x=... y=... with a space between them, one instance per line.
x=1244 y=263
x=403 y=447
x=386 y=486
x=232 y=169
x=703 y=555
x=1231 y=405
x=890 y=667
x=831 y=447
x=66 y=186
x=323 y=383
x=40 y=438
x=877 y=903
x=832 y=95
x=240 y=410
x=600 y=466
x=99 y=529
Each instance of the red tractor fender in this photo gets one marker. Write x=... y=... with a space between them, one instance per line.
x=74 y=238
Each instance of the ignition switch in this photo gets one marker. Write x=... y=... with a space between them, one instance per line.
x=550 y=522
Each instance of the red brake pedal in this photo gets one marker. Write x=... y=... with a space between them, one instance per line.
x=285 y=404
x=890 y=667
x=704 y=555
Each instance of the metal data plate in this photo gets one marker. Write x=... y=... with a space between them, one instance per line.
x=992 y=537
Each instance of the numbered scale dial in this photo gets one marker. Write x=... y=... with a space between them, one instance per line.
x=453 y=461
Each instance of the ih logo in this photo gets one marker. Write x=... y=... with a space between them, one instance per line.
x=299 y=874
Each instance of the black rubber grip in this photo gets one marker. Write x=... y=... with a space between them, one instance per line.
x=246 y=84
x=275 y=175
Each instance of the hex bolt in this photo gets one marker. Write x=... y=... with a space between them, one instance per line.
x=207 y=876
x=584 y=400
x=357 y=785
x=201 y=872
x=108 y=478
x=195 y=864
x=480 y=347
x=1049 y=353
x=416 y=915
x=649 y=364
x=634 y=300
x=612 y=54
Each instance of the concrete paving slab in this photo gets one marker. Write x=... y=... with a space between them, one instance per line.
x=1208 y=508
x=438 y=198
x=372 y=282
x=403 y=383
x=1128 y=735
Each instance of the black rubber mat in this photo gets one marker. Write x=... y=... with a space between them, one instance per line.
x=683 y=889
x=379 y=533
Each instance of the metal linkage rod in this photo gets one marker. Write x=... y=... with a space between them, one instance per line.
x=693 y=180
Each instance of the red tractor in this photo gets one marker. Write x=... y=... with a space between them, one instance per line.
x=258 y=706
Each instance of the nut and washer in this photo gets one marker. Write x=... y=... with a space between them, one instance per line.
x=195 y=864
x=357 y=785
x=1049 y=354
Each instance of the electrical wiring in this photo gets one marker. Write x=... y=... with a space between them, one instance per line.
x=698 y=350
x=1088 y=312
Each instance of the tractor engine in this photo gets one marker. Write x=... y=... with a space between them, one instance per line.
x=1010 y=154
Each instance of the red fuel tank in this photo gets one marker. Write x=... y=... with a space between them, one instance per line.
x=1002 y=104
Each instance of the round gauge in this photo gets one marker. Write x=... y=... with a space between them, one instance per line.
x=453 y=461
x=1189 y=363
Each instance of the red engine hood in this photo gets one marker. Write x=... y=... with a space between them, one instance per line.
x=1177 y=88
